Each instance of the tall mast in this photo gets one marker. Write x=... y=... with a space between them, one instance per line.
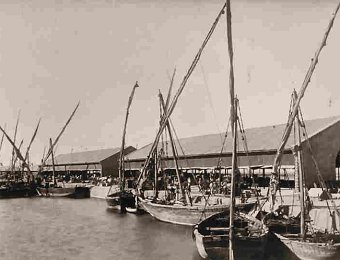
x=173 y=151
x=231 y=64
x=274 y=177
x=302 y=181
x=14 y=140
x=47 y=155
x=232 y=191
x=53 y=167
x=121 y=155
x=2 y=138
x=176 y=97
x=17 y=151
x=233 y=113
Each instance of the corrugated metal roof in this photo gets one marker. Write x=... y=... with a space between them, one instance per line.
x=74 y=167
x=258 y=139
x=94 y=156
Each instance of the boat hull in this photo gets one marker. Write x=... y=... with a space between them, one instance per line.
x=8 y=193
x=182 y=214
x=69 y=192
x=121 y=201
x=99 y=192
x=215 y=246
x=309 y=250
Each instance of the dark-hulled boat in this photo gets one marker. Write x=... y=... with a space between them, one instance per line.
x=121 y=198
x=212 y=236
x=17 y=190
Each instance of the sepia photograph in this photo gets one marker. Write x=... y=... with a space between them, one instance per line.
x=172 y=130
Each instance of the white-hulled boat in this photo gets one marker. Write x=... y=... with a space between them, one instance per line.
x=312 y=248
x=312 y=242
x=56 y=192
x=69 y=192
x=178 y=213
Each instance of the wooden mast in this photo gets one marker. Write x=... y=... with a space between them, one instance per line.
x=173 y=151
x=231 y=63
x=302 y=187
x=2 y=138
x=43 y=161
x=14 y=140
x=175 y=99
x=232 y=191
x=29 y=147
x=121 y=155
x=233 y=113
x=274 y=177
x=53 y=166
x=301 y=180
x=58 y=137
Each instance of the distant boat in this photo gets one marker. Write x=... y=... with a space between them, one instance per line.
x=69 y=192
x=121 y=198
x=17 y=190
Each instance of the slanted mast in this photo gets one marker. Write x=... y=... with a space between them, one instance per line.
x=274 y=181
x=121 y=155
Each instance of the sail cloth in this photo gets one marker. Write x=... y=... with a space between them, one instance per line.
x=322 y=219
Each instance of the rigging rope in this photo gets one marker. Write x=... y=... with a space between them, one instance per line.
x=318 y=173
x=185 y=158
x=210 y=101
x=243 y=133
x=219 y=162
x=175 y=99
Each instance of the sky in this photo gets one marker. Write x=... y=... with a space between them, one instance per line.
x=56 y=53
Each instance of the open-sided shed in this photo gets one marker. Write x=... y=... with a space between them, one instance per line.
x=262 y=142
x=103 y=161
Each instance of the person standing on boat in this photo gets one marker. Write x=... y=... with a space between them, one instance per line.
x=237 y=182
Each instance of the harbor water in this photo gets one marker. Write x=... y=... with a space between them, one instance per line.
x=46 y=228
x=60 y=228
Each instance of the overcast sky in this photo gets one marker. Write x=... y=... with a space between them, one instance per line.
x=54 y=53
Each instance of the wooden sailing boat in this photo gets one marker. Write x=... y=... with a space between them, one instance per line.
x=244 y=235
x=18 y=188
x=53 y=189
x=310 y=242
x=120 y=198
x=306 y=240
x=24 y=159
x=184 y=212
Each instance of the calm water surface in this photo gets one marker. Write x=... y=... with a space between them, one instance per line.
x=52 y=228
x=46 y=228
